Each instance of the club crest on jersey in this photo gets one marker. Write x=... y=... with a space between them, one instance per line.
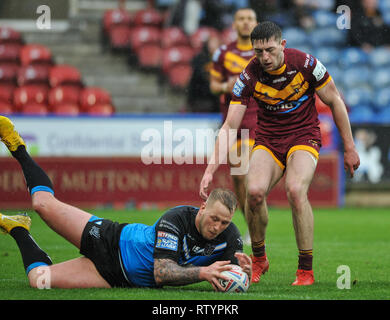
x=238 y=87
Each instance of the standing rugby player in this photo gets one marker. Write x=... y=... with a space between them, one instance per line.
x=283 y=81
x=228 y=62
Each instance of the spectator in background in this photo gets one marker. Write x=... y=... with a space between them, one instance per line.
x=200 y=98
x=219 y=14
x=302 y=11
x=368 y=29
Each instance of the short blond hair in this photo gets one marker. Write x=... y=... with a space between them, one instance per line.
x=224 y=196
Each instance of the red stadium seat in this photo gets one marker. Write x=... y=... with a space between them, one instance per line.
x=63 y=74
x=35 y=109
x=119 y=37
x=149 y=56
x=10 y=53
x=7 y=92
x=148 y=17
x=179 y=76
x=101 y=110
x=29 y=94
x=176 y=55
x=9 y=35
x=116 y=17
x=8 y=74
x=173 y=36
x=228 y=35
x=201 y=36
x=144 y=35
x=64 y=95
x=35 y=54
x=33 y=74
x=91 y=96
x=5 y=108
x=67 y=109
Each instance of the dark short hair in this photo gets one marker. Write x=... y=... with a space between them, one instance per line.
x=245 y=8
x=266 y=30
x=225 y=196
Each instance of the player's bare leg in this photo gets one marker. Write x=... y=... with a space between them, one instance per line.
x=263 y=174
x=66 y=220
x=300 y=170
x=62 y=218
x=239 y=170
x=75 y=273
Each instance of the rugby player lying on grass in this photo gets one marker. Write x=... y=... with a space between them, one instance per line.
x=186 y=245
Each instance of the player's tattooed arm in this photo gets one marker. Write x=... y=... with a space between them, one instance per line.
x=168 y=272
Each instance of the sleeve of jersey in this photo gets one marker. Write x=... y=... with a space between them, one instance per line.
x=318 y=73
x=217 y=67
x=243 y=88
x=168 y=236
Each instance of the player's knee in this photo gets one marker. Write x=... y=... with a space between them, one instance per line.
x=296 y=193
x=41 y=202
x=255 y=196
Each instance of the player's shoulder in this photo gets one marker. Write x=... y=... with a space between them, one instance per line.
x=300 y=59
x=177 y=217
x=220 y=52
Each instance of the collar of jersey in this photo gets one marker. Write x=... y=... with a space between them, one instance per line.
x=278 y=71
x=244 y=47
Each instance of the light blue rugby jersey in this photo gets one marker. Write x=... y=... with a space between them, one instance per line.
x=177 y=239
x=137 y=245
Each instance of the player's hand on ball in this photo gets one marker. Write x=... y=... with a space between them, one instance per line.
x=213 y=273
x=245 y=263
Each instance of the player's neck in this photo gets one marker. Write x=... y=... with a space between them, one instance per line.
x=280 y=69
x=244 y=44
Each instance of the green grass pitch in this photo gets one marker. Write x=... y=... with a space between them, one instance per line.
x=358 y=238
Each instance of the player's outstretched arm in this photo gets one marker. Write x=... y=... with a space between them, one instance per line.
x=330 y=96
x=168 y=272
x=225 y=140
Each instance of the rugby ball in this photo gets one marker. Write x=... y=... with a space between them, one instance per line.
x=238 y=280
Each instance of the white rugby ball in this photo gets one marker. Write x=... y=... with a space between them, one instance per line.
x=238 y=280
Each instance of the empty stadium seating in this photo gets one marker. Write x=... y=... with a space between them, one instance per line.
x=32 y=84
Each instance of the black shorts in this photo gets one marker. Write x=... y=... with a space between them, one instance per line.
x=100 y=244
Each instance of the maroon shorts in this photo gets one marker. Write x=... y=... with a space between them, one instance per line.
x=281 y=148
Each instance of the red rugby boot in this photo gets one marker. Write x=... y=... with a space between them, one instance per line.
x=304 y=278
x=260 y=265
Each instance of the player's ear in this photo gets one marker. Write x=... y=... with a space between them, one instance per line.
x=283 y=43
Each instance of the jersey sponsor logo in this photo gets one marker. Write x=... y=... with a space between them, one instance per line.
x=238 y=87
x=167 y=240
x=319 y=71
x=306 y=60
x=287 y=106
x=279 y=80
x=311 y=61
